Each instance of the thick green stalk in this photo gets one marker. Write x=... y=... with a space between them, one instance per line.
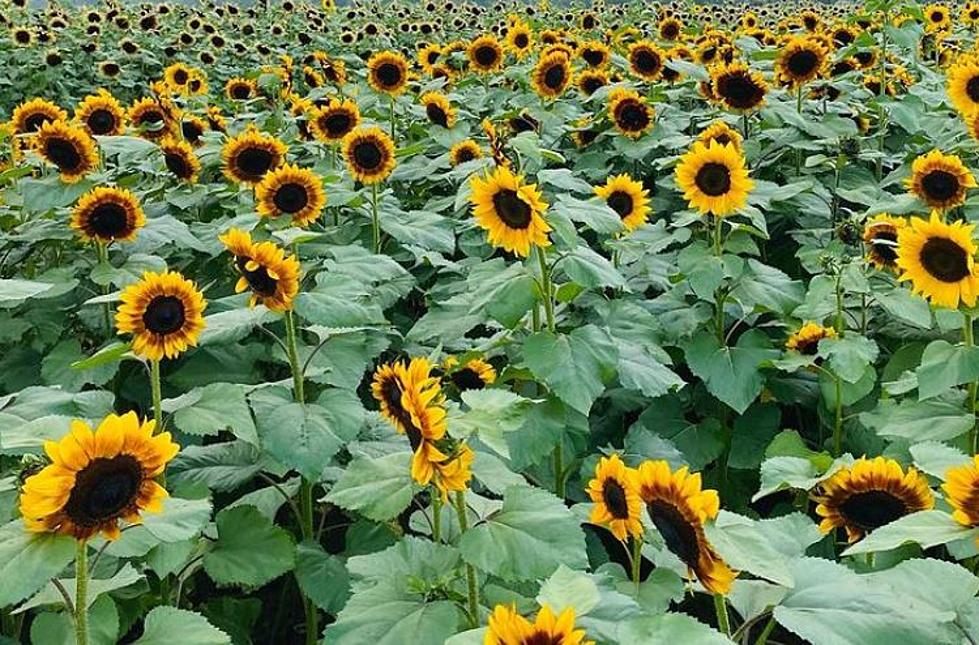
x=103 y=252
x=155 y=388
x=375 y=222
x=720 y=608
x=636 y=562
x=838 y=418
x=969 y=341
x=436 y=515
x=765 y=633
x=470 y=572
x=81 y=593
x=548 y=293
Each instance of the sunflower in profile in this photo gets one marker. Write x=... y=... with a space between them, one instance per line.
x=552 y=75
x=937 y=258
x=627 y=198
x=962 y=492
x=240 y=89
x=193 y=128
x=615 y=492
x=595 y=53
x=428 y=56
x=590 y=81
x=97 y=478
x=510 y=211
x=629 y=112
x=519 y=40
x=474 y=374
x=292 y=191
x=645 y=60
x=940 y=180
x=485 y=54
x=806 y=340
x=713 y=178
x=266 y=271
x=68 y=147
x=722 y=133
x=507 y=627
x=249 y=156
x=151 y=119
x=164 y=314
x=107 y=215
x=438 y=109
x=679 y=508
x=453 y=473
x=870 y=494
x=880 y=237
x=963 y=84
x=387 y=72
x=101 y=114
x=334 y=121
x=369 y=153
x=180 y=160
x=464 y=151
x=29 y=116
x=737 y=87
x=800 y=60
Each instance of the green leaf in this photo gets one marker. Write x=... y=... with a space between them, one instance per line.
x=575 y=366
x=322 y=577
x=528 y=538
x=230 y=326
x=220 y=466
x=936 y=458
x=340 y=307
x=589 y=269
x=745 y=548
x=423 y=229
x=567 y=588
x=505 y=292
x=933 y=420
x=50 y=628
x=382 y=615
x=209 y=410
x=249 y=551
x=29 y=560
x=490 y=414
x=169 y=625
x=13 y=291
x=848 y=356
x=49 y=595
x=731 y=374
x=768 y=288
x=944 y=366
x=378 y=488
x=109 y=354
x=927 y=528
x=640 y=371
x=181 y=519
x=670 y=628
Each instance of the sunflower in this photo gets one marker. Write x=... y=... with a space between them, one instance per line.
x=880 y=235
x=670 y=29
x=70 y=148
x=370 y=154
x=519 y=40
x=22 y=36
x=629 y=112
x=590 y=80
x=476 y=374
x=937 y=258
x=507 y=627
x=485 y=54
x=870 y=494
x=940 y=180
x=645 y=60
x=801 y=60
x=722 y=133
x=551 y=75
x=962 y=492
x=293 y=191
x=464 y=151
x=737 y=87
x=335 y=120
x=615 y=491
x=177 y=75
x=387 y=72
x=453 y=473
x=97 y=478
x=438 y=109
x=29 y=116
x=266 y=270
x=937 y=18
x=510 y=210
x=627 y=198
x=192 y=128
x=240 y=89
x=150 y=117
x=249 y=156
x=963 y=84
x=179 y=157
x=428 y=56
x=678 y=508
x=163 y=312
x=101 y=114
x=107 y=214
x=595 y=53
x=806 y=340
x=713 y=178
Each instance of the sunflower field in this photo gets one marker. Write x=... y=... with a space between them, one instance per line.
x=510 y=323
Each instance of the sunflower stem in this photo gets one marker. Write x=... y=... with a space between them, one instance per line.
x=436 y=516
x=969 y=340
x=375 y=221
x=157 y=394
x=765 y=633
x=720 y=608
x=103 y=252
x=838 y=417
x=81 y=593
x=297 y=374
x=392 y=117
x=546 y=287
x=636 y=562
x=470 y=572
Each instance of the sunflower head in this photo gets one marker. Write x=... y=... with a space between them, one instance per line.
x=249 y=156
x=940 y=180
x=428 y=56
x=801 y=59
x=627 y=198
x=629 y=112
x=387 y=72
x=595 y=53
x=880 y=237
x=101 y=114
x=271 y=276
x=552 y=75
x=937 y=258
x=713 y=178
x=962 y=492
x=292 y=191
x=737 y=87
x=108 y=214
x=164 y=314
x=590 y=81
x=97 y=478
x=28 y=117
x=335 y=120
x=870 y=494
x=645 y=60
x=240 y=89
x=806 y=340
x=464 y=151
x=615 y=492
x=519 y=40
x=369 y=153
x=475 y=374
x=68 y=147
x=508 y=626
x=180 y=160
x=722 y=133
x=485 y=54
x=510 y=211
x=438 y=109
x=150 y=117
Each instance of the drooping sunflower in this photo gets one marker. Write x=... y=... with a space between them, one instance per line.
x=68 y=147
x=645 y=60
x=265 y=269
x=510 y=211
x=629 y=112
x=475 y=374
x=108 y=214
x=438 y=109
x=722 y=133
x=292 y=191
x=800 y=60
x=453 y=473
x=485 y=54
x=97 y=478
x=240 y=89
x=163 y=312
x=615 y=492
x=937 y=258
x=880 y=237
x=507 y=627
x=335 y=120
x=737 y=87
x=149 y=117
x=464 y=151
x=193 y=128
x=627 y=198
x=30 y=115
x=595 y=53
x=590 y=81
x=713 y=178
x=369 y=153
x=101 y=114
x=180 y=160
x=962 y=492
x=940 y=180
x=551 y=75
x=870 y=494
x=387 y=72
x=806 y=340
x=248 y=157
x=519 y=40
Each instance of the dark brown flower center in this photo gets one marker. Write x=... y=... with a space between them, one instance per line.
x=258 y=280
x=944 y=259
x=713 y=179
x=101 y=122
x=336 y=124
x=940 y=185
x=108 y=220
x=180 y=77
x=164 y=315
x=872 y=509
x=514 y=212
x=885 y=246
x=486 y=56
x=291 y=198
x=541 y=637
x=465 y=154
x=388 y=75
x=740 y=91
x=177 y=164
x=368 y=155
x=593 y=57
x=254 y=162
x=678 y=534
x=631 y=116
x=554 y=77
x=802 y=63
x=613 y=494
x=62 y=153
x=192 y=131
x=104 y=489
x=621 y=202
x=34 y=121
x=521 y=40
x=646 y=61
x=591 y=84
x=437 y=115
x=972 y=88
x=241 y=91
x=467 y=379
